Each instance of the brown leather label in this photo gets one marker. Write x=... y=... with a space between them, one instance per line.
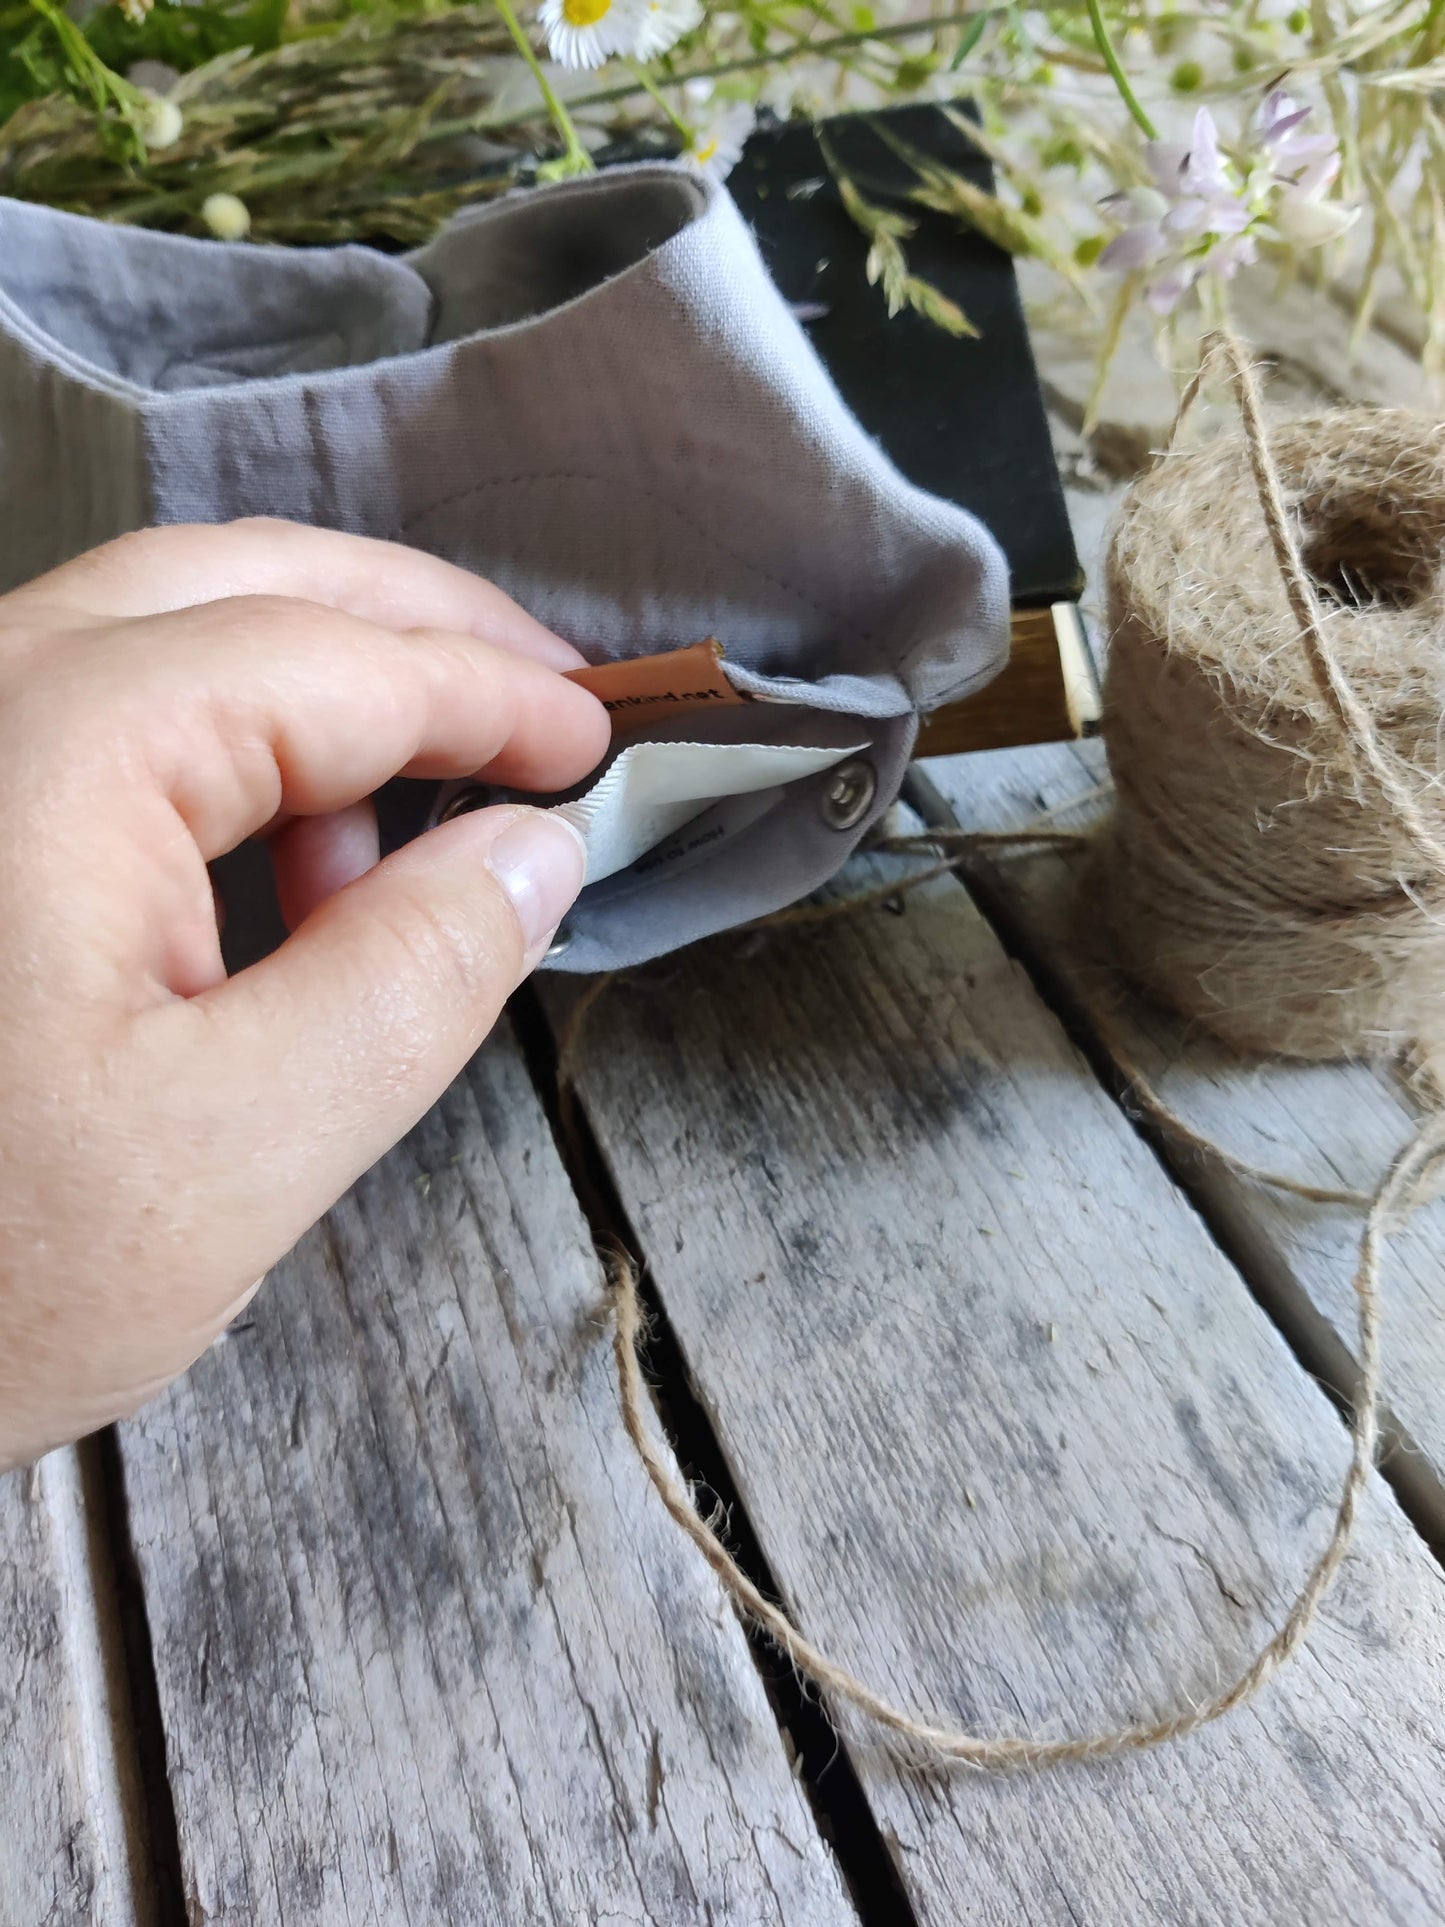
x=645 y=689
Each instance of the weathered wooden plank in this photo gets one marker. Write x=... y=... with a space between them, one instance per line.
x=1015 y=1439
x=69 y=1805
x=1338 y=1125
x=1335 y=1125
x=427 y=1650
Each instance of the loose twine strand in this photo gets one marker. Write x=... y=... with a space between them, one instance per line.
x=938 y=1739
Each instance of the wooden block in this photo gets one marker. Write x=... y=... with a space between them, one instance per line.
x=1048 y=693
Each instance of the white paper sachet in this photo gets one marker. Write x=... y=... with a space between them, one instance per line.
x=652 y=789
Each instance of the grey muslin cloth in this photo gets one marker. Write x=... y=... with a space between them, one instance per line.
x=592 y=394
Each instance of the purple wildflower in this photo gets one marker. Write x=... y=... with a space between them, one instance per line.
x=1203 y=212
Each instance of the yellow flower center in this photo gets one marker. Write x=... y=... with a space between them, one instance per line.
x=585 y=13
x=704 y=154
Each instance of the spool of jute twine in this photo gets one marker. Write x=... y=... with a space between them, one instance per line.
x=1275 y=722
x=1275 y=868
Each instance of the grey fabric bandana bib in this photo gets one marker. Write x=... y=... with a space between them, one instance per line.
x=592 y=394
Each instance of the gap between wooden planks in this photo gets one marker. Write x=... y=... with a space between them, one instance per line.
x=426 y=1648
x=1013 y=1435
x=71 y=1832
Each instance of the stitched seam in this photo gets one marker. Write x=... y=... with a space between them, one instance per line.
x=698 y=528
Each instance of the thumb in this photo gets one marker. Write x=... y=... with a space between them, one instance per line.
x=333 y=1047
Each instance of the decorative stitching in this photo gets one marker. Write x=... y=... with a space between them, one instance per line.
x=698 y=528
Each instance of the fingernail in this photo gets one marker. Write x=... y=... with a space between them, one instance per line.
x=540 y=861
x=555 y=653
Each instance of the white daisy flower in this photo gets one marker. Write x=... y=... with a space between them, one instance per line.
x=664 y=22
x=585 y=33
x=717 y=143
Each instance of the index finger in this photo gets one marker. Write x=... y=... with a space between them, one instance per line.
x=156 y=571
x=244 y=712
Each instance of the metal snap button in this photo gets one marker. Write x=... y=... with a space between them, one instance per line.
x=849 y=793
x=472 y=797
x=561 y=942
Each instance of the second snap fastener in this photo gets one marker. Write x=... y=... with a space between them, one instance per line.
x=463 y=803
x=848 y=794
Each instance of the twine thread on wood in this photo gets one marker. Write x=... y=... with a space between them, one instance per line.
x=957 y=1744
x=930 y=1737
x=939 y=1739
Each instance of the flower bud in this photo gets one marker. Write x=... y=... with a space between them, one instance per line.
x=1146 y=203
x=1310 y=223
x=160 y=122
x=227 y=216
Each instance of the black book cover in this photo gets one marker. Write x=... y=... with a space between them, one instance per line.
x=963 y=418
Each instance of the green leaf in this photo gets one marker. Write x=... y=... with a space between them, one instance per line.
x=186 y=36
x=31 y=69
x=972 y=34
x=89 y=80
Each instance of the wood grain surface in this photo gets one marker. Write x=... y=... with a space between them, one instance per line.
x=427 y=1650
x=1015 y=1437
x=1333 y=1125
x=70 y=1829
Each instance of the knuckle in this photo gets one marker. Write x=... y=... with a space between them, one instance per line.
x=263 y=612
x=262 y=606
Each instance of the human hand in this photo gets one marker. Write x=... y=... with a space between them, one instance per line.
x=166 y=1134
